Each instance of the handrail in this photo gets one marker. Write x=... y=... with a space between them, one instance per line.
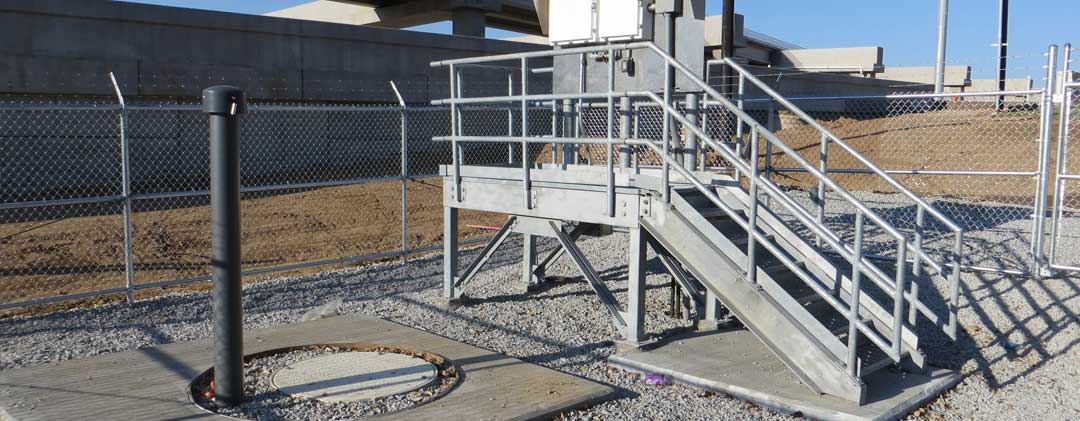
x=847 y=147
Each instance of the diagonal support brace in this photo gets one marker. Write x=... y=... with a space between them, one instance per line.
x=574 y=234
x=601 y=290
x=485 y=254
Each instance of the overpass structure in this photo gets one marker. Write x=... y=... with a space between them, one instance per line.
x=470 y=17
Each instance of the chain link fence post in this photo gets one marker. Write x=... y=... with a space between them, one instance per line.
x=125 y=168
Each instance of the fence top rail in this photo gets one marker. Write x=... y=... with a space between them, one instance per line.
x=899 y=96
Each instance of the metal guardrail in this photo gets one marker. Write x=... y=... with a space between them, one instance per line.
x=862 y=265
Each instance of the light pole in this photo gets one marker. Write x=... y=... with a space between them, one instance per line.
x=943 y=31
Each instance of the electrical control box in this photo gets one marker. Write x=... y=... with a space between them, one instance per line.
x=599 y=21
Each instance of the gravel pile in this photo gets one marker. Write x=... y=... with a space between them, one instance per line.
x=1018 y=348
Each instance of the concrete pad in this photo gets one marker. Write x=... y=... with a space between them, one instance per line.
x=354 y=376
x=736 y=363
x=152 y=383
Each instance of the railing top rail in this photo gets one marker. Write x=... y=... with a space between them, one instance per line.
x=541 y=53
x=838 y=140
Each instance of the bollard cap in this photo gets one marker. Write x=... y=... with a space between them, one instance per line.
x=224 y=100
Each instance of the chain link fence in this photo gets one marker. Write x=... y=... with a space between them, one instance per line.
x=102 y=199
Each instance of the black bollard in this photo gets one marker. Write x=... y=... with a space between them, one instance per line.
x=225 y=104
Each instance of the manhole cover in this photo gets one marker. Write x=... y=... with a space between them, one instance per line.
x=354 y=376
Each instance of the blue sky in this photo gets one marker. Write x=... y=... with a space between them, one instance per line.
x=907 y=29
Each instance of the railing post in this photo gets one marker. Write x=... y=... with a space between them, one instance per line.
x=510 y=117
x=1046 y=133
x=823 y=166
x=568 y=131
x=225 y=104
x=772 y=125
x=917 y=265
x=751 y=243
x=898 y=294
x=611 y=134
x=525 y=181
x=625 y=114
x=1060 y=183
x=690 y=159
x=666 y=173
x=856 y=293
x=455 y=131
x=740 y=127
x=125 y=177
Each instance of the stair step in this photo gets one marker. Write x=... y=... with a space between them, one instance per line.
x=778 y=265
x=718 y=213
x=742 y=242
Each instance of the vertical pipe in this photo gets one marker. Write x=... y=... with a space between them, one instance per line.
x=1064 y=129
x=856 y=292
x=690 y=159
x=510 y=117
x=727 y=43
x=917 y=265
x=1003 y=50
x=224 y=105
x=666 y=173
x=568 y=131
x=450 y=252
x=1044 y=163
x=404 y=174
x=579 y=117
x=528 y=261
x=751 y=243
x=943 y=34
x=125 y=177
x=625 y=113
x=739 y=125
x=455 y=131
x=635 y=302
x=554 y=131
x=611 y=133
x=525 y=181
x=404 y=185
x=823 y=166
x=898 y=294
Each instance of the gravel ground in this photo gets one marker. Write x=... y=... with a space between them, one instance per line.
x=1017 y=349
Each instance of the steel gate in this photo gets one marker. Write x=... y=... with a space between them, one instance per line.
x=1065 y=231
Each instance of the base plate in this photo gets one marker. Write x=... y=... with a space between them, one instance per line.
x=736 y=363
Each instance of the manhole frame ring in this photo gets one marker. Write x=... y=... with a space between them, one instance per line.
x=442 y=365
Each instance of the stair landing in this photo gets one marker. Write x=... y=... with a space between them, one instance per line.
x=736 y=363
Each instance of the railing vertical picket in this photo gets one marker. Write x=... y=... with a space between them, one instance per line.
x=611 y=134
x=917 y=265
x=898 y=294
x=510 y=117
x=751 y=243
x=455 y=131
x=823 y=166
x=666 y=173
x=525 y=181
x=856 y=294
x=739 y=126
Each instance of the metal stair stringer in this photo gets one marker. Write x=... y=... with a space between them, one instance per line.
x=800 y=351
x=820 y=265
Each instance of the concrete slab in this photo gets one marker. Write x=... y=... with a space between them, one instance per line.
x=354 y=376
x=152 y=383
x=736 y=363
